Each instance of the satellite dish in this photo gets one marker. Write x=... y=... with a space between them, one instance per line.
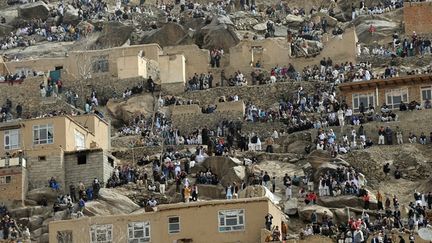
x=425 y=234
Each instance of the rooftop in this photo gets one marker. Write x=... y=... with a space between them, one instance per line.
x=409 y=79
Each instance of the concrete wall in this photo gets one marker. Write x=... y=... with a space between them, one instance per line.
x=189 y=214
x=131 y=66
x=101 y=129
x=16 y=190
x=97 y=166
x=418 y=17
x=197 y=60
x=172 y=69
x=264 y=96
x=41 y=171
x=275 y=51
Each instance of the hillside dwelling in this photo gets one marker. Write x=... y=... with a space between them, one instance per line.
x=59 y=147
x=390 y=91
x=239 y=219
x=13 y=180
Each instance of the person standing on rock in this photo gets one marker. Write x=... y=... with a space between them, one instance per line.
x=379 y=201
x=266 y=179
x=366 y=200
x=96 y=188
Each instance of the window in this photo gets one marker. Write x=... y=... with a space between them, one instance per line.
x=426 y=93
x=5 y=180
x=82 y=159
x=173 y=225
x=139 y=232
x=111 y=161
x=43 y=134
x=101 y=233
x=366 y=99
x=42 y=158
x=231 y=220
x=79 y=140
x=12 y=139
x=395 y=96
x=100 y=65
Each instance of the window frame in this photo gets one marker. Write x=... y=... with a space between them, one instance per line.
x=38 y=128
x=425 y=88
x=94 y=228
x=169 y=224
x=80 y=136
x=4 y=180
x=389 y=93
x=11 y=133
x=239 y=214
x=358 y=96
x=145 y=228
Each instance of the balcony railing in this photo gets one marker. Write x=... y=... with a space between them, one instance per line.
x=16 y=161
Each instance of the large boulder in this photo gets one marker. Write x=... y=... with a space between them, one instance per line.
x=38 y=194
x=228 y=169
x=217 y=36
x=36 y=10
x=341 y=201
x=259 y=191
x=109 y=203
x=25 y=212
x=125 y=110
x=169 y=35
x=211 y=191
x=291 y=206
x=113 y=34
x=71 y=15
x=5 y=29
x=306 y=212
x=35 y=222
x=297 y=142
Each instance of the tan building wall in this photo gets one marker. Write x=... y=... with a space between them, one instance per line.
x=172 y=69
x=418 y=17
x=414 y=85
x=98 y=164
x=80 y=63
x=270 y=52
x=131 y=66
x=190 y=215
x=47 y=160
x=101 y=129
x=14 y=189
x=64 y=128
x=41 y=64
x=197 y=60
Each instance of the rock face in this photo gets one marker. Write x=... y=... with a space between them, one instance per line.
x=36 y=10
x=220 y=33
x=291 y=206
x=228 y=170
x=306 y=212
x=110 y=203
x=38 y=194
x=126 y=110
x=211 y=191
x=296 y=142
x=71 y=15
x=169 y=35
x=344 y=201
x=259 y=191
x=113 y=34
